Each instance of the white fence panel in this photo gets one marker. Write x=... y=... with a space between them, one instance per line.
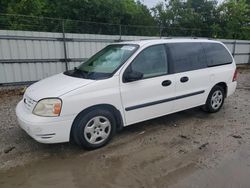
x=30 y=56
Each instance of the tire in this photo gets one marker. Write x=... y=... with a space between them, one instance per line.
x=94 y=129
x=215 y=99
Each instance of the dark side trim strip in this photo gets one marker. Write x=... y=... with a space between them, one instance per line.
x=163 y=100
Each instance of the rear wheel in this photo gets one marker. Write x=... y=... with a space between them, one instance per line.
x=94 y=129
x=215 y=99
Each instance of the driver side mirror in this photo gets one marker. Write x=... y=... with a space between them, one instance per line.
x=131 y=76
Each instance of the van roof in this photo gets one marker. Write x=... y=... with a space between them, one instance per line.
x=167 y=40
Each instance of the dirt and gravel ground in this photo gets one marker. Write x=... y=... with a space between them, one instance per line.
x=185 y=149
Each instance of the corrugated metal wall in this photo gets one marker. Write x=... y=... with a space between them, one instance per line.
x=240 y=50
x=30 y=56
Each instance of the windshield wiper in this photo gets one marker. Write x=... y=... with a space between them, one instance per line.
x=76 y=69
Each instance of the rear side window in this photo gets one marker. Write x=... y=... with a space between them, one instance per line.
x=186 y=56
x=216 y=54
x=151 y=62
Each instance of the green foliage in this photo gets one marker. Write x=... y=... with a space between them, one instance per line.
x=204 y=18
x=234 y=19
x=114 y=12
x=195 y=16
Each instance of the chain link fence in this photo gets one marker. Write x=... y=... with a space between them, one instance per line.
x=45 y=24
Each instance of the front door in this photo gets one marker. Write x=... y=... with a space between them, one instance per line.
x=152 y=95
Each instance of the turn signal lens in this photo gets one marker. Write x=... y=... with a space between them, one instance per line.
x=57 y=108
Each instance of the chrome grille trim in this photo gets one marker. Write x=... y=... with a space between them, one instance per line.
x=29 y=103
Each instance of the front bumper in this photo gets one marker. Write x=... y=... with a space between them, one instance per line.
x=44 y=129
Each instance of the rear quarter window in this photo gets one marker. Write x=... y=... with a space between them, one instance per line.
x=186 y=56
x=216 y=54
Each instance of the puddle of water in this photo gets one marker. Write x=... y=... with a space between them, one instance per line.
x=232 y=172
x=74 y=172
x=93 y=169
x=96 y=169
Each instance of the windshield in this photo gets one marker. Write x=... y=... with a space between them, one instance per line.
x=105 y=62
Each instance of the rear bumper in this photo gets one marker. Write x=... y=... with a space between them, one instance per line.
x=231 y=88
x=44 y=129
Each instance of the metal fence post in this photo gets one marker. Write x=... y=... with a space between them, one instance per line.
x=120 y=32
x=160 y=32
x=249 y=55
x=64 y=46
x=234 y=45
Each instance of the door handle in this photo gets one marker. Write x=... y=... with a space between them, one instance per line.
x=184 y=79
x=166 y=83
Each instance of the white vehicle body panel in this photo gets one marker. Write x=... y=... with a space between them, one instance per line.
x=100 y=92
x=55 y=86
x=144 y=92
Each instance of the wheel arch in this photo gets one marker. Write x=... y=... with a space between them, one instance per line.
x=223 y=85
x=109 y=107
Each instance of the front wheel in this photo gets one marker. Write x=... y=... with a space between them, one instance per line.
x=215 y=99
x=94 y=129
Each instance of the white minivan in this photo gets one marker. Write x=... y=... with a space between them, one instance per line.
x=126 y=83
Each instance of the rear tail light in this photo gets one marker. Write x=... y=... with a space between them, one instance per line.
x=235 y=75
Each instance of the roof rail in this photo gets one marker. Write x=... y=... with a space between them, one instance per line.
x=185 y=37
x=155 y=38
x=176 y=37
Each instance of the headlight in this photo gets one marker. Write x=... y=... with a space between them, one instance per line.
x=48 y=107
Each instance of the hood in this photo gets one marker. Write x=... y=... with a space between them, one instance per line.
x=55 y=86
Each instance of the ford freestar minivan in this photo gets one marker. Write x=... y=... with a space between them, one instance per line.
x=126 y=83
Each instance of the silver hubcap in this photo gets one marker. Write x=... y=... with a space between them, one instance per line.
x=97 y=130
x=217 y=99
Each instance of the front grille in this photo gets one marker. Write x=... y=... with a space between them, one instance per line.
x=29 y=103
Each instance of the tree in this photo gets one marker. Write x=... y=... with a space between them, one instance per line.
x=204 y=18
x=191 y=17
x=126 y=12
x=234 y=19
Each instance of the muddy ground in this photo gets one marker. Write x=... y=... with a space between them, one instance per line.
x=185 y=149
